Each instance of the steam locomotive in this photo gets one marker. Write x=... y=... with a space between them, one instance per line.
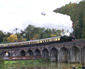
x=66 y=38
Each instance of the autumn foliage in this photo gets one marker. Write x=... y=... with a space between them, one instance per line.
x=12 y=38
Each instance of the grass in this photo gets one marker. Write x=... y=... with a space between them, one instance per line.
x=19 y=63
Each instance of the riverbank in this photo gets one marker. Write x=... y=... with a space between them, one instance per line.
x=35 y=64
x=7 y=64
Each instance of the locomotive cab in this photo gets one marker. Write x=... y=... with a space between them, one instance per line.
x=66 y=38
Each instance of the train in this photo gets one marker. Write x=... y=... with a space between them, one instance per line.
x=39 y=41
x=67 y=38
x=53 y=39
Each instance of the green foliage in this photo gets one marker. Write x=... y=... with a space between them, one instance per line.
x=33 y=32
x=20 y=37
x=1 y=63
x=30 y=33
x=23 y=63
x=77 y=13
x=1 y=36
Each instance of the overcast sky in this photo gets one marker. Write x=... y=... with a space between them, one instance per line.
x=20 y=13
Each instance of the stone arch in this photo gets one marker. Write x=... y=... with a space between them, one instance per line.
x=6 y=53
x=30 y=52
x=54 y=54
x=63 y=55
x=75 y=54
x=45 y=53
x=2 y=53
x=22 y=53
x=37 y=52
x=83 y=55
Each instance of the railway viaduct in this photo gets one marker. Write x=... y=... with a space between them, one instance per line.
x=73 y=51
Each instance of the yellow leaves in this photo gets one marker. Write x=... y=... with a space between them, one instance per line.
x=12 y=38
x=36 y=36
x=24 y=39
x=53 y=35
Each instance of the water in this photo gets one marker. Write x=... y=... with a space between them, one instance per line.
x=53 y=66
x=43 y=66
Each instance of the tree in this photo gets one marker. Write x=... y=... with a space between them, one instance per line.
x=16 y=30
x=59 y=32
x=6 y=35
x=20 y=37
x=77 y=13
x=1 y=36
x=29 y=31
x=12 y=38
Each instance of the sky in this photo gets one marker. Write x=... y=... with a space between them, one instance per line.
x=20 y=13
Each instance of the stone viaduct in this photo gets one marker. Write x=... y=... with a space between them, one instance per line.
x=73 y=51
